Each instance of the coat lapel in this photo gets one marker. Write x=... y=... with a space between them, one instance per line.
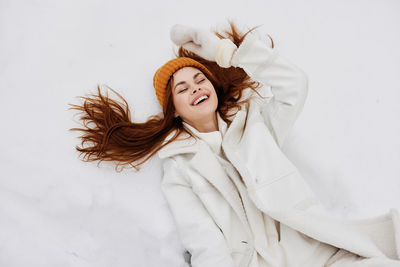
x=205 y=163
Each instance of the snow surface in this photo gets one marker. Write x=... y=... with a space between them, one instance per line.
x=56 y=210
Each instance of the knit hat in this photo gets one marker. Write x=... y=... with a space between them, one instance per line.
x=163 y=74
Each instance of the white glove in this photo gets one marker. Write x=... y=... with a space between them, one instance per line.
x=204 y=44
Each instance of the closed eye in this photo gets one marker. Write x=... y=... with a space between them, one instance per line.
x=184 y=89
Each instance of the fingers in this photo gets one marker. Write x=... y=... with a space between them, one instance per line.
x=181 y=34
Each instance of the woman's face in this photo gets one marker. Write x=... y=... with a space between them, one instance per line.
x=194 y=96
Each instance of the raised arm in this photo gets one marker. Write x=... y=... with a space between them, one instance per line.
x=288 y=84
x=199 y=233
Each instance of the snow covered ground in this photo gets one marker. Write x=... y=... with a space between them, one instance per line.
x=56 y=210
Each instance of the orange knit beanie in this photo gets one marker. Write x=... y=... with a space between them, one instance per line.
x=163 y=74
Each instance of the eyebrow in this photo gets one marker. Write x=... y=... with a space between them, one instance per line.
x=194 y=77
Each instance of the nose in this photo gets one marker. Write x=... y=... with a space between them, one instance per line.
x=194 y=91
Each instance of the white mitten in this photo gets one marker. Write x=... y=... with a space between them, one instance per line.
x=203 y=43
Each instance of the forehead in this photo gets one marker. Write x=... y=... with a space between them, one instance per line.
x=185 y=72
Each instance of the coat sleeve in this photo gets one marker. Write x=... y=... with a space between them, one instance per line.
x=199 y=233
x=288 y=84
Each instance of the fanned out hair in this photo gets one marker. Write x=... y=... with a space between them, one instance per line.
x=109 y=134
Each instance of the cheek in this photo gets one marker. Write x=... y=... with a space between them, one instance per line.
x=215 y=96
x=212 y=88
x=178 y=102
x=216 y=101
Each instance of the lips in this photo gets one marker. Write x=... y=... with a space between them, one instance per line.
x=194 y=100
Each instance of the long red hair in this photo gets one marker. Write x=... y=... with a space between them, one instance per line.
x=109 y=134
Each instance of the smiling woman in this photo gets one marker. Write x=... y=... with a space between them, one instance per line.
x=114 y=137
x=195 y=99
x=236 y=198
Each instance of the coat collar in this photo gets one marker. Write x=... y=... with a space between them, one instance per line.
x=185 y=143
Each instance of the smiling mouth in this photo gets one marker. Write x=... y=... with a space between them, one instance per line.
x=201 y=100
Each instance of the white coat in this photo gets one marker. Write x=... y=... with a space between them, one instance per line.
x=199 y=194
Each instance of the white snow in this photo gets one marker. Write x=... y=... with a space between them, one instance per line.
x=56 y=210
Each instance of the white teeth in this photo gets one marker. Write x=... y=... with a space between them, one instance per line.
x=199 y=99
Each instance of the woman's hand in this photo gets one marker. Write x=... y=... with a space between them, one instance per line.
x=203 y=43
x=198 y=41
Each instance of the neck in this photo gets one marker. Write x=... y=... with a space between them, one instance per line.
x=209 y=125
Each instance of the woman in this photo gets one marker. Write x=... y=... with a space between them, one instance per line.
x=229 y=100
